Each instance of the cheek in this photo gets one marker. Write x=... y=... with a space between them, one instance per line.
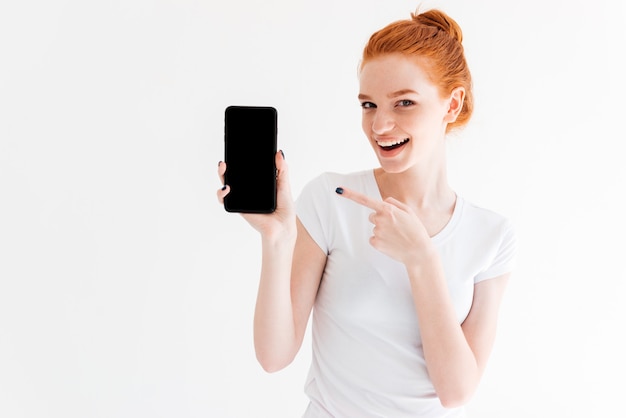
x=366 y=123
x=409 y=122
x=418 y=121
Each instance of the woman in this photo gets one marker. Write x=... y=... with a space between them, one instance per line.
x=403 y=276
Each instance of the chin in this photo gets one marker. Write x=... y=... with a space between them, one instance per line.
x=392 y=168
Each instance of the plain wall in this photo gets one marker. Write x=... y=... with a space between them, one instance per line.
x=127 y=291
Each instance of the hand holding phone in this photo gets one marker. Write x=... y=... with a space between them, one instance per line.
x=250 y=144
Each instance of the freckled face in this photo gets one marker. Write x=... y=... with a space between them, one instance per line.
x=404 y=116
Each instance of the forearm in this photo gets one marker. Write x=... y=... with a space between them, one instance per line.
x=274 y=331
x=450 y=361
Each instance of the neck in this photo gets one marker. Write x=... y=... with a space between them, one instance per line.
x=424 y=188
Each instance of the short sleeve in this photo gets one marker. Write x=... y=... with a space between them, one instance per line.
x=312 y=210
x=505 y=256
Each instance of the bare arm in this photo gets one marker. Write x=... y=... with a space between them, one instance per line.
x=456 y=355
x=291 y=269
x=290 y=277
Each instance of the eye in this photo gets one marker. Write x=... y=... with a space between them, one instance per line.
x=406 y=102
x=368 y=105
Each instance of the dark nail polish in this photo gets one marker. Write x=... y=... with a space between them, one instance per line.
x=339 y=190
x=224 y=188
x=282 y=153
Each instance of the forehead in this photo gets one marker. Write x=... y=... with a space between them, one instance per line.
x=395 y=72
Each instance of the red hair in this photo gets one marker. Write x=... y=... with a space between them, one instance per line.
x=435 y=36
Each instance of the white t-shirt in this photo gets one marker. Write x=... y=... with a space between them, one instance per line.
x=367 y=352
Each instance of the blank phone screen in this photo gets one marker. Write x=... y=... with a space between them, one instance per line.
x=250 y=148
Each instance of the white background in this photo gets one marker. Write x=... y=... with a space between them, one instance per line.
x=127 y=291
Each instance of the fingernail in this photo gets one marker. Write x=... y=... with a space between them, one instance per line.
x=218 y=164
x=282 y=153
x=224 y=188
x=339 y=190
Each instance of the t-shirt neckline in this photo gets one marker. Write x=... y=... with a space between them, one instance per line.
x=446 y=231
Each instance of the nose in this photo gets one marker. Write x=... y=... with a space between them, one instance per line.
x=382 y=122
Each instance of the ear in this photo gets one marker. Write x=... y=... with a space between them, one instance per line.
x=455 y=104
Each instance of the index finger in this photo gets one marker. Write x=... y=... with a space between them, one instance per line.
x=360 y=198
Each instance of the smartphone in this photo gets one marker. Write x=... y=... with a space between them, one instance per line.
x=250 y=141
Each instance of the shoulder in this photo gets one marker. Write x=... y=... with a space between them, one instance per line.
x=318 y=195
x=483 y=218
x=320 y=209
x=356 y=176
x=485 y=228
x=329 y=181
x=493 y=235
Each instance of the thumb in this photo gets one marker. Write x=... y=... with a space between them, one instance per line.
x=282 y=170
x=281 y=164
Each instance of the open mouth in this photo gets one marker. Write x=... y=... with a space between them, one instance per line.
x=391 y=145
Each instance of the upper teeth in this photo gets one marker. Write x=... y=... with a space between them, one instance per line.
x=392 y=142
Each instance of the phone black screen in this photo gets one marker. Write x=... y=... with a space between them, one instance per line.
x=250 y=149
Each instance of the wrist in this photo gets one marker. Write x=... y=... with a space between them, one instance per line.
x=426 y=264
x=285 y=235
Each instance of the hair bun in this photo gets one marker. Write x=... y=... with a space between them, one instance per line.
x=440 y=20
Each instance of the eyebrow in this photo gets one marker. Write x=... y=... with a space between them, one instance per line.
x=390 y=95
